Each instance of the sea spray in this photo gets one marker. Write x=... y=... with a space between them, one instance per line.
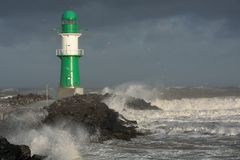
x=58 y=142
x=177 y=115
x=136 y=90
x=186 y=128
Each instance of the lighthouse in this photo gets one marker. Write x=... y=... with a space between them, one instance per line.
x=69 y=56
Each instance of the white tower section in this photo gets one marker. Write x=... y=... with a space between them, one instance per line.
x=70 y=45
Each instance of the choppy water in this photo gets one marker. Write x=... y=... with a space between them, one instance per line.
x=199 y=128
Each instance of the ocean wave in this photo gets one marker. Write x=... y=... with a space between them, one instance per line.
x=222 y=110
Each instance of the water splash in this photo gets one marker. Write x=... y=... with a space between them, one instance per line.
x=178 y=114
x=59 y=142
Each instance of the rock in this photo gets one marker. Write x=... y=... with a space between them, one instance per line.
x=10 y=151
x=95 y=116
x=140 y=104
x=132 y=102
x=13 y=152
x=38 y=157
x=21 y=100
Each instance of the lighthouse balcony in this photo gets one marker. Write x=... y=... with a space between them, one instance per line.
x=64 y=52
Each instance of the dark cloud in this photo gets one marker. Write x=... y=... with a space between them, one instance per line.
x=99 y=12
x=154 y=41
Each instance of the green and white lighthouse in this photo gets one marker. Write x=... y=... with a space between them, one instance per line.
x=69 y=55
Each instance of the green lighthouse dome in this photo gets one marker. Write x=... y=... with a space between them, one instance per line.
x=69 y=15
x=69 y=22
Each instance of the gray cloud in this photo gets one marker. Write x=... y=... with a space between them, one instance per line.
x=187 y=42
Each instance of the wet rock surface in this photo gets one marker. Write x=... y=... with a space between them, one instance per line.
x=21 y=100
x=89 y=111
x=132 y=102
x=140 y=104
x=10 y=151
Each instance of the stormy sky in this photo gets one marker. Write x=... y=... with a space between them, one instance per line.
x=159 y=42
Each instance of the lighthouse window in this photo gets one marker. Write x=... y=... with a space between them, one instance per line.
x=68 y=22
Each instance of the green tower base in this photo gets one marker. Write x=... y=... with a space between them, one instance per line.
x=68 y=92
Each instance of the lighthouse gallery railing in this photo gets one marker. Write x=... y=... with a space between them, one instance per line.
x=61 y=52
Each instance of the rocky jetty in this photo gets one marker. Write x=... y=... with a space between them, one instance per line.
x=90 y=112
x=21 y=100
x=10 y=151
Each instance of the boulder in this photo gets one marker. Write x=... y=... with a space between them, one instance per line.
x=38 y=157
x=10 y=151
x=13 y=152
x=140 y=104
x=89 y=112
x=132 y=102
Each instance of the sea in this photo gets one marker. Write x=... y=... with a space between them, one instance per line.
x=192 y=123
